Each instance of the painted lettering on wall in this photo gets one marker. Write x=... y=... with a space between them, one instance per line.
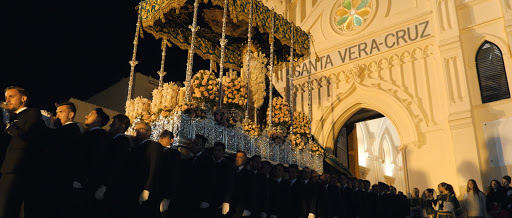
x=367 y=48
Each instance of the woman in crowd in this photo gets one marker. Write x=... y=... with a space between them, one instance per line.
x=415 y=202
x=428 y=202
x=495 y=198
x=474 y=201
x=446 y=204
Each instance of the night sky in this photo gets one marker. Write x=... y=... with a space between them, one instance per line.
x=62 y=49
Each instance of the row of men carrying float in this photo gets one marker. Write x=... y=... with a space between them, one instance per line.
x=203 y=115
x=69 y=172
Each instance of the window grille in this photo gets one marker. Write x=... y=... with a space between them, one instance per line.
x=491 y=73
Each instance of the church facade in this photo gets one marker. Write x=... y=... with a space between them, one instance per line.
x=438 y=71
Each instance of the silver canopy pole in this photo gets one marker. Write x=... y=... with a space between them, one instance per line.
x=190 y=60
x=248 y=58
x=134 y=62
x=223 y=42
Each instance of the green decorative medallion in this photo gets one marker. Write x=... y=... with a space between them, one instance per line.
x=351 y=15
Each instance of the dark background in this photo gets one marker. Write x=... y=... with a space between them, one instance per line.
x=62 y=49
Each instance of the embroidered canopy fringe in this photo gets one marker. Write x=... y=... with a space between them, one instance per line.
x=170 y=19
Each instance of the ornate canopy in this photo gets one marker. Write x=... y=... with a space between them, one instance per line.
x=171 y=19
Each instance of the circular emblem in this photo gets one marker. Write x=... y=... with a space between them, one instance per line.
x=352 y=15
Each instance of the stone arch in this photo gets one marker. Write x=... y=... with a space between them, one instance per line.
x=405 y=57
x=364 y=132
x=358 y=97
x=499 y=41
x=385 y=150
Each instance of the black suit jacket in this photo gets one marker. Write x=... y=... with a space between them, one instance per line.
x=372 y=202
x=278 y=201
x=385 y=205
x=404 y=206
x=259 y=193
x=309 y=198
x=202 y=169
x=117 y=153
x=222 y=182
x=25 y=144
x=347 y=206
x=92 y=167
x=63 y=150
x=145 y=164
x=170 y=175
x=328 y=201
x=241 y=196
x=357 y=202
x=295 y=201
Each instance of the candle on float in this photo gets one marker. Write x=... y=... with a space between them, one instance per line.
x=182 y=94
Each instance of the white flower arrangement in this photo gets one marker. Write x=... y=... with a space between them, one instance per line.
x=165 y=98
x=137 y=107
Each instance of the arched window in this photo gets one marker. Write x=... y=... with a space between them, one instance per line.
x=491 y=73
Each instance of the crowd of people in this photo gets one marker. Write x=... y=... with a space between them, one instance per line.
x=56 y=168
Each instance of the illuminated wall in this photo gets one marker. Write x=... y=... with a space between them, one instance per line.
x=414 y=62
x=379 y=156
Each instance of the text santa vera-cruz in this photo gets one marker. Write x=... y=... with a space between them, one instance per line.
x=369 y=47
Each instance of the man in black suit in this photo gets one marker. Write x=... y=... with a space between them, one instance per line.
x=241 y=195
x=346 y=206
x=372 y=202
x=266 y=167
x=357 y=197
x=295 y=191
x=170 y=174
x=184 y=198
x=329 y=198
x=111 y=191
x=384 y=205
x=91 y=166
x=278 y=191
x=62 y=152
x=367 y=207
x=322 y=185
x=21 y=158
x=259 y=196
x=145 y=166
x=222 y=185
x=309 y=194
x=202 y=169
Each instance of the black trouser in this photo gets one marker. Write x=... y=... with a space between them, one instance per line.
x=17 y=189
x=11 y=195
x=123 y=201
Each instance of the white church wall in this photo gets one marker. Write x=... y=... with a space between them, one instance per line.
x=428 y=88
x=378 y=151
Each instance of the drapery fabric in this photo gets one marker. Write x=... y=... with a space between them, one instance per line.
x=171 y=19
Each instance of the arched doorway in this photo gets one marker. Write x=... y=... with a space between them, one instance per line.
x=368 y=144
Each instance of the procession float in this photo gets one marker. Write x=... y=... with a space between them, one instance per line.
x=235 y=103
